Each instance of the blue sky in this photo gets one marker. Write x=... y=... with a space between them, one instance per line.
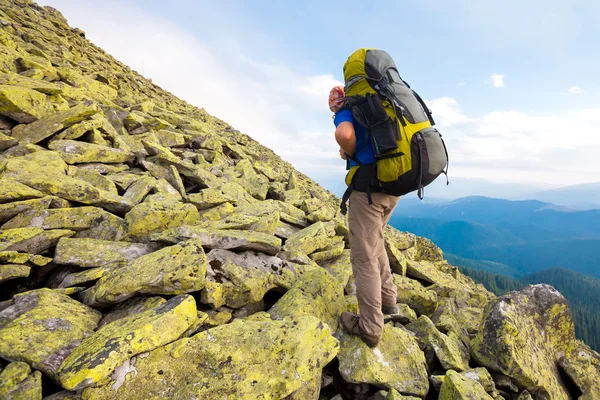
x=266 y=68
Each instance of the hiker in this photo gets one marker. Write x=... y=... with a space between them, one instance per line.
x=375 y=291
x=386 y=135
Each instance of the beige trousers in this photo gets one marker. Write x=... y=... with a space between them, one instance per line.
x=370 y=263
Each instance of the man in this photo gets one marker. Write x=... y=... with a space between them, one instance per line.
x=375 y=290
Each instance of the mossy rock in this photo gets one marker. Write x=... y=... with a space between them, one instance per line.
x=99 y=354
x=175 y=269
x=218 y=358
x=18 y=382
x=91 y=253
x=42 y=327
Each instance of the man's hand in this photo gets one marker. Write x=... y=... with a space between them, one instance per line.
x=343 y=154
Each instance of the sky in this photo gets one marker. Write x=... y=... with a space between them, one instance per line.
x=512 y=84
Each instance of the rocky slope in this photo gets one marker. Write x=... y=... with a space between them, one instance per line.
x=149 y=250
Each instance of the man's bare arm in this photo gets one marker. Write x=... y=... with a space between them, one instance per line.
x=346 y=137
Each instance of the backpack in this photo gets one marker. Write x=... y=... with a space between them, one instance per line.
x=409 y=152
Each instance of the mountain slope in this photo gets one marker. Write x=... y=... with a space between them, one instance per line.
x=148 y=249
x=584 y=197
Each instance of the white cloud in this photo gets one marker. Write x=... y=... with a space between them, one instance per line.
x=521 y=147
x=497 y=80
x=575 y=90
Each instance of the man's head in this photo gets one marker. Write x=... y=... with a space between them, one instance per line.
x=336 y=98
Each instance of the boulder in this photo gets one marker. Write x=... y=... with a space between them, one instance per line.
x=457 y=387
x=98 y=355
x=90 y=253
x=175 y=269
x=31 y=240
x=396 y=363
x=43 y=128
x=415 y=295
x=449 y=350
x=157 y=216
x=23 y=104
x=218 y=360
x=41 y=327
x=583 y=367
x=75 y=152
x=316 y=293
x=18 y=382
x=523 y=336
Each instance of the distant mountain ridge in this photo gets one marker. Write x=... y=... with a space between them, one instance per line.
x=527 y=236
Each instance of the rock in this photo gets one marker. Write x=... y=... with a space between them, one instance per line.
x=226 y=239
x=43 y=128
x=218 y=360
x=316 y=293
x=93 y=178
x=31 y=240
x=18 y=382
x=6 y=142
x=11 y=190
x=335 y=249
x=428 y=251
x=42 y=327
x=523 y=335
x=76 y=219
x=208 y=198
x=404 y=316
x=583 y=367
x=450 y=351
x=415 y=295
x=11 y=210
x=340 y=268
x=175 y=269
x=235 y=280
x=152 y=217
x=15 y=257
x=98 y=355
x=395 y=242
x=24 y=105
x=74 y=152
x=308 y=240
x=396 y=363
x=131 y=307
x=12 y=271
x=137 y=191
x=90 y=253
x=456 y=387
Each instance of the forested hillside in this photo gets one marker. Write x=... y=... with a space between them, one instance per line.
x=582 y=292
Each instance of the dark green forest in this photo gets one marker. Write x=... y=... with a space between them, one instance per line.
x=582 y=292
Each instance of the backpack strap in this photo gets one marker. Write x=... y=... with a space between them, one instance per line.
x=425 y=108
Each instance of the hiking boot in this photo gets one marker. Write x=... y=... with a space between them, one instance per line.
x=350 y=324
x=390 y=310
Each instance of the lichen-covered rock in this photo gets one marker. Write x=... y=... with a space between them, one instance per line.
x=450 y=351
x=152 y=217
x=91 y=253
x=316 y=293
x=175 y=269
x=428 y=251
x=340 y=268
x=23 y=104
x=523 y=335
x=583 y=367
x=218 y=360
x=42 y=327
x=43 y=128
x=415 y=295
x=31 y=240
x=131 y=307
x=11 y=190
x=235 y=280
x=309 y=239
x=396 y=363
x=457 y=387
x=18 y=382
x=12 y=271
x=102 y=223
x=335 y=249
x=226 y=239
x=75 y=152
x=99 y=354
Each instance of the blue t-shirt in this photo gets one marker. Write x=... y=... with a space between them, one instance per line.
x=364 y=149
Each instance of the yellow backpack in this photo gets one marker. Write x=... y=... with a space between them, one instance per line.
x=409 y=152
